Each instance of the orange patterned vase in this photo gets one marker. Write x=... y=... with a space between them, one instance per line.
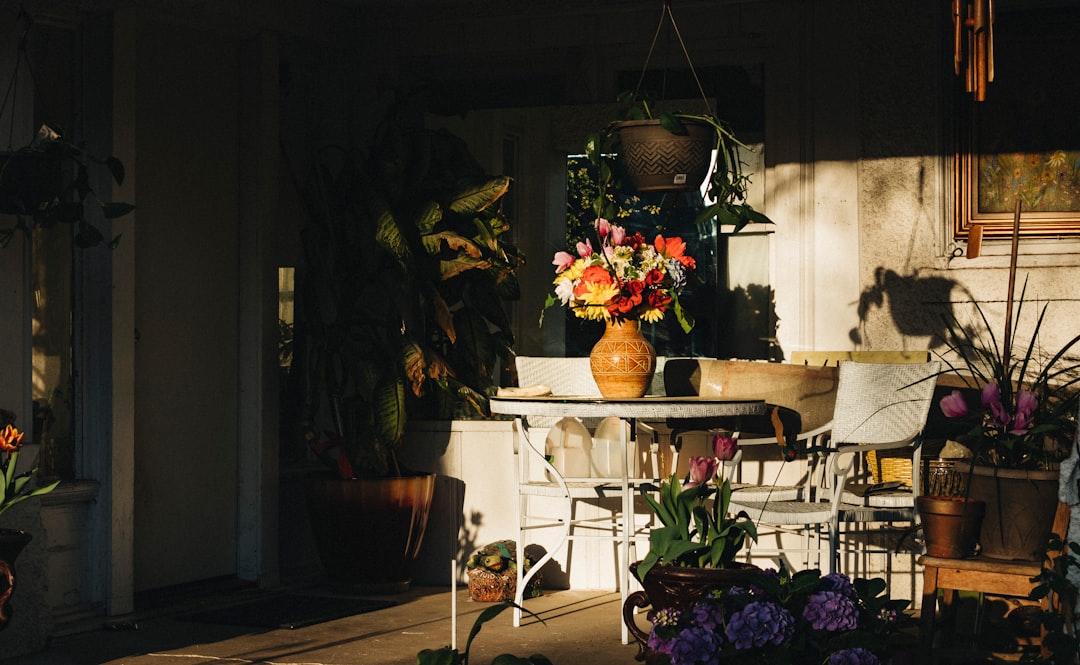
x=623 y=361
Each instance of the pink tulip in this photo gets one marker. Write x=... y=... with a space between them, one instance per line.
x=618 y=235
x=562 y=261
x=725 y=447
x=602 y=227
x=702 y=470
x=953 y=405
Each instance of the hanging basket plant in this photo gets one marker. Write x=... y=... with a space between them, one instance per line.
x=658 y=160
x=673 y=152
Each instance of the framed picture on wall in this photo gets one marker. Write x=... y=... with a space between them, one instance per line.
x=1024 y=139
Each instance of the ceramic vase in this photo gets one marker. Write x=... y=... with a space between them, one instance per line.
x=623 y=361
x=951 y=525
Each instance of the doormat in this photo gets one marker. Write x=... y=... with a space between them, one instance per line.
x=288 y=611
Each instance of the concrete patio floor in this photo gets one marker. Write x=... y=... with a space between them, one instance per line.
x=579 y=626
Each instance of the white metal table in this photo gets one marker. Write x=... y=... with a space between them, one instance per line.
x=648 y=408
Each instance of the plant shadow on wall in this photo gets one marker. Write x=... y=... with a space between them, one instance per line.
x=918 y=306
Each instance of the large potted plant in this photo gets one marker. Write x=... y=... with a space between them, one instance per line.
x=705 y=607
x=400 y=315
x=15 y=487
x=1017 y=417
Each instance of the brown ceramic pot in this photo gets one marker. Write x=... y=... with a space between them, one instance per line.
x=951 y=525
x=623 y=361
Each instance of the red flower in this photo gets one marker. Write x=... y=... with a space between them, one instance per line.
x=10 y=439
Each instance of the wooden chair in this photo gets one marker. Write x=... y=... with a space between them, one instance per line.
x=980 y=574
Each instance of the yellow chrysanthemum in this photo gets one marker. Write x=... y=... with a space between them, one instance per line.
x=652 y=315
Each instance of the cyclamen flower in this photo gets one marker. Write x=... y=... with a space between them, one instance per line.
x=853 y=656
x=1026 y=403
x=758 y=624
x=696 y=646
x=831 y=611
x=953 y=405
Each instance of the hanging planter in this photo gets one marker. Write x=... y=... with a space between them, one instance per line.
x=657 y=160
x=672 y=152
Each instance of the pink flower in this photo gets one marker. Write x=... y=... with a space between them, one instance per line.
x=702 y=470
x=991 y=399
x=953 y=405
x=585 y=249
x=602 y=227
x=562 y=261
x=1026 y=403
x=618 y=235
x=725 y=447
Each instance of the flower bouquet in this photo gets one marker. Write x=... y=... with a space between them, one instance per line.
x=777 y=617
x=625 y=278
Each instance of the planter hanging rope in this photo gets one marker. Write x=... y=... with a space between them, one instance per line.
x=665 y=14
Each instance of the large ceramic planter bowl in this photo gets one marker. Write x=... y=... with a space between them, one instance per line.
x=368 y=531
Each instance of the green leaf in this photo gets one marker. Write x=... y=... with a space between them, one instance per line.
x=116 y=168
x=475 y=198
x=114 y=210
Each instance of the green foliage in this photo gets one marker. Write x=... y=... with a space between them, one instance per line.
x=449 y=656
x=400 y=307
x=46 y=184
x=697 y=529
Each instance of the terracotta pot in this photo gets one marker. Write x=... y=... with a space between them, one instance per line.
x=950 y=525
x=1020 y=507
x=623 y=361
x=369 y=531
x=658 y=161
x=11 y=543
x=679 y=588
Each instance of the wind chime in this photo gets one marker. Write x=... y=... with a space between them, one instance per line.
x=973 y=44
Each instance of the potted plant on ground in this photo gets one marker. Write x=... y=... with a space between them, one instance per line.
x=706 y=608
x=400 y=315
x=1017 y=418
x=15 y=487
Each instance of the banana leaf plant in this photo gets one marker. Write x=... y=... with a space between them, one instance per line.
x=401 y=311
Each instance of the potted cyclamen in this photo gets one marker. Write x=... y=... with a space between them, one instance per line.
x=1017 y=418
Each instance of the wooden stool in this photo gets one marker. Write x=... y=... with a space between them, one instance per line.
x=981 y=574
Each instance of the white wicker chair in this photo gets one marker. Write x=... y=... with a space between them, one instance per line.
x=878 y=407
x=571 y=376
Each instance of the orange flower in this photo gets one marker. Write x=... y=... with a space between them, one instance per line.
x=593 y=275
x=674 y=248
x=10 y=439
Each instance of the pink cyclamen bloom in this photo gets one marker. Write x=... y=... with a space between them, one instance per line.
x=953 y=405
x=584 y=249
x=1026 y=403
x=602 y=227
x=562 y=261
x=618 y=235
x=702 y=470
x=991 y=399
x=725 y=447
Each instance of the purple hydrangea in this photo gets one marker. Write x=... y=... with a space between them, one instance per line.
x=708 y=615
x=660 y=644
x=854 y=656
x=840 y=583
x=696 y=646
x=831 y=611
x=758 y=624
x=669 y=616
